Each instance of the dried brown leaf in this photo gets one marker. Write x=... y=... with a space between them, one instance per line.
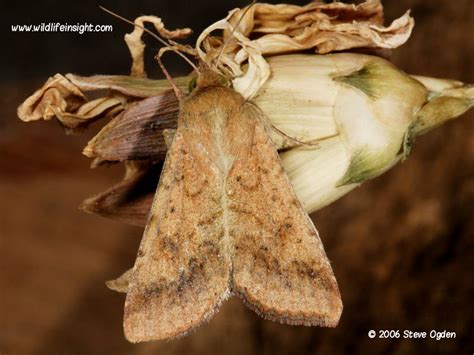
x=91 y=111
x=124 y=84
x=64 y=97
x=58 y=94
x=137 y=133
x=130 y=200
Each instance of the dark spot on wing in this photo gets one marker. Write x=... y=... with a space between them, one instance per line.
x=208 y=248
x=303 y=269
x=209 y=218
x=168 y=245
x=152 y=290
x=181 y=283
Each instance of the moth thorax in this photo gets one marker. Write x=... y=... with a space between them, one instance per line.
x=208 y=77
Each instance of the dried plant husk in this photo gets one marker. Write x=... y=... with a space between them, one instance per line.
x=378 y=111
x=128 y=201
x=58 y=94
x=263 y=29
x=363 y=112
x=66 y=98
x=138 y=132
x=130 y=86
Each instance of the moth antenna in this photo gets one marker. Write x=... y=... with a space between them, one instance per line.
x=233 y=30
x=154 y=35
x=177 y=91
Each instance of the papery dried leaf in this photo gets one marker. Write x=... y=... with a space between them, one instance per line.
x=137 y=46
x=137 y=133
x=323 y=27
x=126 y=85
x=130 y=200
x=63 y=99
x=328 y=37
x=290 y=19
x=91 y=111
x=285 y=28
x=246 y=83
x=58 y=94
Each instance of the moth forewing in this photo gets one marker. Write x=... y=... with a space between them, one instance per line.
x=280 y=268
x=225 y=219
x=182 y=270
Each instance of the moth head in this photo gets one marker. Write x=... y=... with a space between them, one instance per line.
x=207 y=77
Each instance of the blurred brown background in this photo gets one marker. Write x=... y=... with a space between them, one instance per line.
x=401 y=246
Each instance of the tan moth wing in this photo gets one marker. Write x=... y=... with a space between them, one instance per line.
x=280 y=268
x=181 y=274
x=225 y=218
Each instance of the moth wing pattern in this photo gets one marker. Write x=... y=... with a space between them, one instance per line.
x=280 y=268
x=181 y=275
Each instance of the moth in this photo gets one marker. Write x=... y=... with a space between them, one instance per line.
x=225 y=221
